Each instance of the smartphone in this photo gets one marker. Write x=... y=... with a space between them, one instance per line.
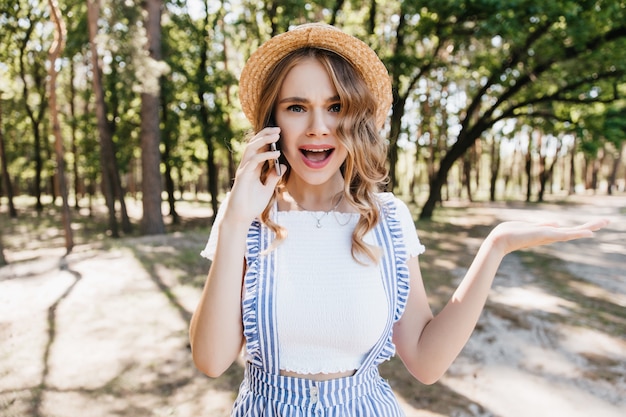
x=276 y=161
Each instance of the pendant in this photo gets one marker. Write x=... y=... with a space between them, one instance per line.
x=319 y=224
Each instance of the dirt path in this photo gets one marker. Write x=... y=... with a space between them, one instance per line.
x=105 y=334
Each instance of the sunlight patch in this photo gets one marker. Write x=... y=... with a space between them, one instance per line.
x=550 y=361
x=531 y=298
x=593 y=291
x=583 y=340
x=497 y=388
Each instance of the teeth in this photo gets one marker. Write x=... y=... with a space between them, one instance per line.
x=317 y=150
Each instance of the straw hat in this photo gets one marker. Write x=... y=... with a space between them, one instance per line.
x=322 y=36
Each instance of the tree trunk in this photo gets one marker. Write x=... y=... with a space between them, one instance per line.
x=528 y=168
x=572 y=169
x=394 y=133
x=168 y=141
x=547 y=173
x=399 y=103
x=204 y=116
x=476 y=154
x=152 y=219
x=614 y=168
x=8 y=185
x=465 y=140
x=543 y=174
x=38 y=167
x=74 y=129
x=107 y=153
x=495 y=168
x=596 y=164
x=55 y=52
x=466 y=176
x=170 y=189
x=3 y=260
x=35 y=117
x=336 y=9
x=231 y=160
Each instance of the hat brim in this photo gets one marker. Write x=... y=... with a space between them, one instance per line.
x=321 y=36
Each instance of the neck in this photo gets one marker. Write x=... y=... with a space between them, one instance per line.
x=315 y=198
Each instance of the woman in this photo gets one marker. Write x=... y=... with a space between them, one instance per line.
x=314 y=270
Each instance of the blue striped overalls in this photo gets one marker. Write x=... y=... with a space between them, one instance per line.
x=264 y=392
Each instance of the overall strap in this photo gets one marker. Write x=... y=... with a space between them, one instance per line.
x=266 y=306
x=389 y=242
x=258 y=299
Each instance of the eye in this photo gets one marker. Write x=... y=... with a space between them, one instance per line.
x=296 y=108
x=335 y=108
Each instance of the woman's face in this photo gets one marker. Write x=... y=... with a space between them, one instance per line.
x=307 y=111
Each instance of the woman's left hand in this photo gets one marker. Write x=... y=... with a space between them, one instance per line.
x=515 y=235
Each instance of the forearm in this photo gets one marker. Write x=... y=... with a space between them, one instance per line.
x=445 y=335
x=216 y=330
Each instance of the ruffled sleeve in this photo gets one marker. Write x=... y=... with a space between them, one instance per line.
x=211 y=245
x=411 y=239
x=395 y=213
x=251 y=293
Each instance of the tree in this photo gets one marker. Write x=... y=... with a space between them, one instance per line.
x=110 y=174
x=494 y=167
x=204 y=93
x=460 y=71
x=152 y=220
x=54 y=54
x=6 y=178
x=550 y=52
x=614 y=128
x=32 y=74
x=3 y=260
x=406 y=68
x=213 y=94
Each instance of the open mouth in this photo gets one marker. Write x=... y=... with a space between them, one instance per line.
x=317 y=155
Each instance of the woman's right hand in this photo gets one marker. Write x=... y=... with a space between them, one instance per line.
x=249 y=195
x=216 y=329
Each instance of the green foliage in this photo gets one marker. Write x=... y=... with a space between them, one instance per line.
x=75 y=13
x=459 y=68
x=614 y=127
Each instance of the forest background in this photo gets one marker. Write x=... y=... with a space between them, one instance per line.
x=493 y=100
x=120 y=131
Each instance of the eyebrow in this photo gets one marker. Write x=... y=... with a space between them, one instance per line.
x=305 y=101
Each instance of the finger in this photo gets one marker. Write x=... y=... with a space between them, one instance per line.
x=589 y=227
x=592 y=225
x=266 y=136
x=254 y=162
x=595 y=224
x=261 y=141
x=585 y=230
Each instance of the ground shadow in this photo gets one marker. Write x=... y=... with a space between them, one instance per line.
x=39 y=391
x=436 y=398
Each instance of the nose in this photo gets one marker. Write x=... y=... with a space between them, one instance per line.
x=319 y=123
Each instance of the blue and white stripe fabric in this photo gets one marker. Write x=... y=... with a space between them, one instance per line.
x=365 y=394
x=264 y=392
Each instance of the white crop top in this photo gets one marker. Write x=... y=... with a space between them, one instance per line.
x=330 y=310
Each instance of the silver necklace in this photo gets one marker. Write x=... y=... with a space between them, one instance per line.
x=324 y=214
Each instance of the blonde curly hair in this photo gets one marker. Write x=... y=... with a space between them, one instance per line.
x=364 y=170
